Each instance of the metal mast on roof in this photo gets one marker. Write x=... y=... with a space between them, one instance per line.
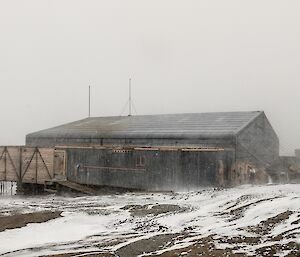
x=130 y=101
x=89 y=101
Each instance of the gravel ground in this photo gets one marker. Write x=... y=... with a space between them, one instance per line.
x=243 y=221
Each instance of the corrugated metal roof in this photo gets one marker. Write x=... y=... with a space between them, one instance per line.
x=218 y=124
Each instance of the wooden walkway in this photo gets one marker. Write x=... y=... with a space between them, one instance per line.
x=77 y=187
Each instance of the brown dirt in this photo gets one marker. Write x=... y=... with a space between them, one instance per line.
x=270 y=251
x=147 y=245
x=240 y=240
x=91 y=254
x=264 y=227
x=144 y=210
x=21 y=220
x=202 y=247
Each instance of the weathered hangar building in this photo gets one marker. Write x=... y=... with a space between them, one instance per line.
x=162 y=152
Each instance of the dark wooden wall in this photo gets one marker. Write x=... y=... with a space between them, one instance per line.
x=149 y=170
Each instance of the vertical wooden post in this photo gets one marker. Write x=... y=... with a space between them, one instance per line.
x=20 y=163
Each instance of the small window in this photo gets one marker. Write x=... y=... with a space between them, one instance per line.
x=140 y=161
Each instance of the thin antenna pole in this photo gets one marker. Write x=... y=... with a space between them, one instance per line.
x=89 y=101
x=129 y=97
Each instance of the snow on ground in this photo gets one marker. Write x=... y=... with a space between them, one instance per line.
x=107 y=223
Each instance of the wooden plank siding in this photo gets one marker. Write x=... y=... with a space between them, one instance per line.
x=26 y=164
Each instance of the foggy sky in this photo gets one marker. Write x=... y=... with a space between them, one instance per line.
x=182 y=56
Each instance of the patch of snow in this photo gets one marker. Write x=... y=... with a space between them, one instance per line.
x=90 y=221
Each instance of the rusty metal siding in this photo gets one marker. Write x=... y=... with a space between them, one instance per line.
x=162 y=170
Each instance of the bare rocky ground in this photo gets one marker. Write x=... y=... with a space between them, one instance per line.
x=13 y=221
x=244 y=221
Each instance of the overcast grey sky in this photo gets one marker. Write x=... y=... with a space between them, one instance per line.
x=183 y=56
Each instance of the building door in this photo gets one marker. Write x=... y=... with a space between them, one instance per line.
x=59 y=164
